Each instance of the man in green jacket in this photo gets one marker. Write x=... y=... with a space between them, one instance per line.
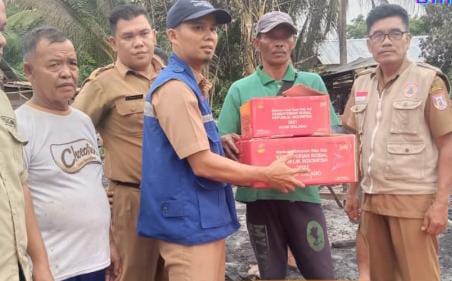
x=278 y=220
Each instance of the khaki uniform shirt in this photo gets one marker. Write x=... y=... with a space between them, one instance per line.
x=13 y=235
x=404 y=94
x=114 y=97
x=176 y=108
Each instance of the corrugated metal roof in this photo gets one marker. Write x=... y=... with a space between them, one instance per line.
x=357 y=48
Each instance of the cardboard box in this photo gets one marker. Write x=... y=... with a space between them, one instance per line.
x=300 y=90
x=330 y=160
x=285 y=117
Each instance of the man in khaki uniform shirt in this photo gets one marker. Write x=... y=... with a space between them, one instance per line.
x=18 y=223
x=113 y=96
x=401 y=113
x=13 y=236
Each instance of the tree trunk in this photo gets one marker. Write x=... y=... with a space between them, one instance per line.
x=342 y=32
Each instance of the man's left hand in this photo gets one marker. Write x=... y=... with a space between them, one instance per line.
x=435 y=219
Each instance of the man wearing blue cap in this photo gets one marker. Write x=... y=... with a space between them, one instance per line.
x=185 y=203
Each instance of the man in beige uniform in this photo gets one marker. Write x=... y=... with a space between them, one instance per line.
x=113 y=96
x=401 y=113
x=17 y=220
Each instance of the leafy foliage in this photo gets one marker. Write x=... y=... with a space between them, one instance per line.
x=437 y=48
x=85 y=22
x=20 y=22
x=358 y=28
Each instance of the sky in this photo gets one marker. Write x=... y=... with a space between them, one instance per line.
x=356 y=7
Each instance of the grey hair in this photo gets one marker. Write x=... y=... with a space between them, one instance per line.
x=32 y=38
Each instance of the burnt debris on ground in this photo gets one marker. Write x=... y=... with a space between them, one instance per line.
x=241 y=264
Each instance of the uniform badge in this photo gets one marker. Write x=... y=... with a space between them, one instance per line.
x=361 y=97
x=440 y=101
x=410 y=90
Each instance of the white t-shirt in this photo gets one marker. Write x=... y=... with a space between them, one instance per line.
x=65 y=180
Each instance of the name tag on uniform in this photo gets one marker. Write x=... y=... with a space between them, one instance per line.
x=135 y=97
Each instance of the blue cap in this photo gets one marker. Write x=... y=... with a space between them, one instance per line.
x=185 y=10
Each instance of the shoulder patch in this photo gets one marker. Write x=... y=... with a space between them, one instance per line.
x=438 y=71
x=440 y=101
x=97 y=72
x=437 y=85
x=439 y=94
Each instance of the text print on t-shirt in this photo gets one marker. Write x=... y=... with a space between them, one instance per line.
x=71 y=157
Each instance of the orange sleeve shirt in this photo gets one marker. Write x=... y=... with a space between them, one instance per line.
x=176 y=108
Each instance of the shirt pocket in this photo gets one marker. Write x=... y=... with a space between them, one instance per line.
x=176 y=216
x=406 y=117
x=213 y=208
x=17 y=143
x=214 y=137
x=131 y=114
x=405 y=161
x=359 y=111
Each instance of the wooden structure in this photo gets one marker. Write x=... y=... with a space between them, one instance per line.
x=17 y=91
x=339 y=80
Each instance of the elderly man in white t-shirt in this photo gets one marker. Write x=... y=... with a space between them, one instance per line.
x=62 y=158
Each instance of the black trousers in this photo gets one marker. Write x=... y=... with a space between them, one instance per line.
x=21 y=274
x=274 y=225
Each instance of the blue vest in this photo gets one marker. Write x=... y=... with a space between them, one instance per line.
x=176 y=205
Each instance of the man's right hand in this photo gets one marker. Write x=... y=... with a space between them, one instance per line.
x=110 y=194
x=282 y=177
x=230 y=149
x=352 y=207
x=42 y=272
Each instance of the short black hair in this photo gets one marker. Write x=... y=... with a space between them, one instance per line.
x=386 y=11
x=125 y=12
x=33 y=37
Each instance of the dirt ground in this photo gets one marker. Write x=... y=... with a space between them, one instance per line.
x=241 y=264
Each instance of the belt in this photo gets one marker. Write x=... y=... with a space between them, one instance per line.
x=129 y=184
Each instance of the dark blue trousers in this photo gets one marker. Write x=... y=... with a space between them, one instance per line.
x=92 y=276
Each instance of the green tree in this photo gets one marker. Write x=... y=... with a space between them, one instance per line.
x=19 y=22
x=437 y=48
x=358 y=28
x=418 y=26
x=84 y=21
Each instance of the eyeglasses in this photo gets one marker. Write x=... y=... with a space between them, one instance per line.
x=393 y=35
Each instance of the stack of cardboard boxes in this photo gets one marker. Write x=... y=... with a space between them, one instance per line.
x=298 y=123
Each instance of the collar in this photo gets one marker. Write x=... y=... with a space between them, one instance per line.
x=266 y=79
x=377 y=74
x=198 y=76
x=48 y=110
x=203 y=83
x=181 y=65
x=124 y=70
